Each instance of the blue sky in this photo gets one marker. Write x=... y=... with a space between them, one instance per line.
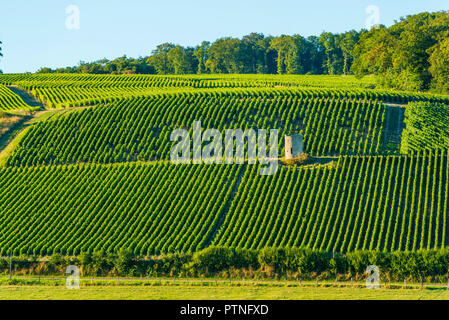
x=34 y=32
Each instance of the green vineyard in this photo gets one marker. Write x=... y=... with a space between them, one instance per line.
x=10 y=101
x=427 y=127
x=139 y=129
x=149 y=208
x=361 y=203
x=70 y=90
x=92 y=171
x=365 y=203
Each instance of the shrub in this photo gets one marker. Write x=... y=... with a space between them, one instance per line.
x=301 y=160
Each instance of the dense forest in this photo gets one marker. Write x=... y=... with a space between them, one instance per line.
x=413 y=54
x=253 y=53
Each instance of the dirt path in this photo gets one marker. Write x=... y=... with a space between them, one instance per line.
x=5 y=138
x=11 y=138
x=396 y=105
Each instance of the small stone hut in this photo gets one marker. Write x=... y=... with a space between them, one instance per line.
x=294 y=145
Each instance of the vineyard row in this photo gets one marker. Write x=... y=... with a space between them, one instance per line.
x=361 y=203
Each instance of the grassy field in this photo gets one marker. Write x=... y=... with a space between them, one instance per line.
x=184 y=292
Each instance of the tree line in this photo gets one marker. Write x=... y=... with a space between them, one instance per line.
x=252 y=54
x=413 y=55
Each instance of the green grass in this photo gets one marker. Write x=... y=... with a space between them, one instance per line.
x=221 y=292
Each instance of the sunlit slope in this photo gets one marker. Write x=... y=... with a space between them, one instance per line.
x=11 y=101
x=69 y=90
x=366 y=203
x=377 y=203
x=333 y=123
x=426 y=127
x=149 y=208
